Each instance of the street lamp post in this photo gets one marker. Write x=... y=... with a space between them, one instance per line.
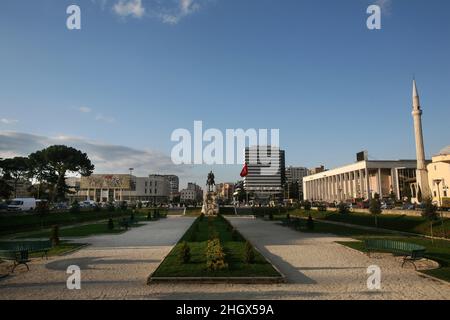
x=131 y=182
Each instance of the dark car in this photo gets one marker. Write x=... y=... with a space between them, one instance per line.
x=3 y=206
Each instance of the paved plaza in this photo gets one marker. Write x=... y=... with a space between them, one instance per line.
x=316 y=267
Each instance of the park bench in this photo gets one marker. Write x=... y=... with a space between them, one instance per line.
x=19 y=251
x=411 y=252
x=127 y=223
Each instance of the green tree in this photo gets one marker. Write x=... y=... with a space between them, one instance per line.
x=375 y=207
x=429 y=211
x=56 y=161
x=15 y=169
x=307 y=205
x=6 y=189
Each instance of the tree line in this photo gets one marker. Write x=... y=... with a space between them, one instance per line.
x=47 y=168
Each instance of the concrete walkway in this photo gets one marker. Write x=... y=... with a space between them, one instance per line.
x=113 y=266
x=316 y=263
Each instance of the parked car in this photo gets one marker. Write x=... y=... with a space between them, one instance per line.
x=88 y=204
x=408 y=206
x=22 y=204
x=386 y=205
x=60 y=206
x=3 y=206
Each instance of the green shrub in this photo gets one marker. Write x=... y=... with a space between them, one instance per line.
x=271 y=216
x=193 y=237
x=322 y=207
x=75 y=207
x=139 y=205
x=185 y=253
x=202 y=216
x=249 y=253
x=97 y=208
x=310 y=223
x=215 y=257
x=342 y=208
x=110 y=224
x=307 y=205
x=288 y=216
x=123 y=206
x=149 y=216
x=42 y=208
x=110 y=207
x=212 y=233
x=54 y=236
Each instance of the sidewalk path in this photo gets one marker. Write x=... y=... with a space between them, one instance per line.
x=114 y=266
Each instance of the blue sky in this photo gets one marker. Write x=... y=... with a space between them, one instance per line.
x=137 y=70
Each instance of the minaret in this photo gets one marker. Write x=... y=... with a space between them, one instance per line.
x=421 y=172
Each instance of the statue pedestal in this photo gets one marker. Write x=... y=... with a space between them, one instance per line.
x=210 y=204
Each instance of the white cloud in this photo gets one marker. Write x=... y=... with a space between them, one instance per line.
x=8 y=121
x=385 y=5
x=107 y=158
x=133 y=8
x=84 y=109
x=167 y=11
x=101 y=117
x=183 y=9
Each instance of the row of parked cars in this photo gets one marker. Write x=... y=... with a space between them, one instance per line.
x=385 y=205
x=20 y=204
x=30 y=204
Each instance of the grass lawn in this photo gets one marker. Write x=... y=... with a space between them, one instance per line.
x=62 y=248
x=197 y=239
x=82 y=230
x=402 y=223
x=10 y=224
x=76 y=231
x=438 y=250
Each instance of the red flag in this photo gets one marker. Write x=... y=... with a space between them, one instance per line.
x=244 y=171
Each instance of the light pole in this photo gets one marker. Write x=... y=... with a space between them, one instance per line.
x=131 y=182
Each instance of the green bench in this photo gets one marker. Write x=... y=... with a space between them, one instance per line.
x=19 y=251
x=411 y=252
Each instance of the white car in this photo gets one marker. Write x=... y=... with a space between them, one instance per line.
x=22 y=204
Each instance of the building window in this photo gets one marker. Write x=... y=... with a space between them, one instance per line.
x=146 y=191
x=435 y=193
x=445 y=193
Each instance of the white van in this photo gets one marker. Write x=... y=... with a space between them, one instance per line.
x=22 y=204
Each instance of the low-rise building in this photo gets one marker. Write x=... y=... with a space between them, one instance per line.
x=439 y=178
x=123 y=187
x=362 y=180
x=225 y=191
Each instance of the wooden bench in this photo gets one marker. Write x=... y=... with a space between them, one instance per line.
x=19 y=251
x=411 y=252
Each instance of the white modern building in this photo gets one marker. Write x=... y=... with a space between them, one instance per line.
x=361 y=180
x=266 y=171
x=123 y=187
